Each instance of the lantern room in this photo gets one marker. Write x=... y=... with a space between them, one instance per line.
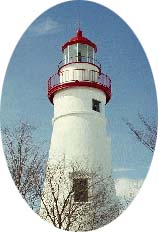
x=79 y=49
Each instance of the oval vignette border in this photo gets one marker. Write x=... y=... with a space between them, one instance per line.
x=153 y=166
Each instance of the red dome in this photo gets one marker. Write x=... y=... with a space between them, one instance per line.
x=79 y=39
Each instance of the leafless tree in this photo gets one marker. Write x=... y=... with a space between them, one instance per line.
x=147 y=134
x=55 y=197
x=58 y=204
x=25 y=161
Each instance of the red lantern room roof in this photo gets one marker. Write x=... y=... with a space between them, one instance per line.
x=79 y=39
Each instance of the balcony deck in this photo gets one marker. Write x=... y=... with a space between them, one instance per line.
x=103 y=83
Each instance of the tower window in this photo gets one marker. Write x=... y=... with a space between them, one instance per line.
x=96 y=105
x=80 y=187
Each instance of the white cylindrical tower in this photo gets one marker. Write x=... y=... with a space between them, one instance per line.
x=80 y=153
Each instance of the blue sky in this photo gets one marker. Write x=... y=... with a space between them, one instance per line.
x=37 y=55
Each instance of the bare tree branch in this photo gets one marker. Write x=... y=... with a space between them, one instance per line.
x=68 y=212
x=147 y=134
x=26 y=161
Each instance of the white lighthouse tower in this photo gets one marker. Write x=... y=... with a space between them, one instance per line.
x=78 y=191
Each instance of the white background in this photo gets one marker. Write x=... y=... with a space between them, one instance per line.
x=15 y=17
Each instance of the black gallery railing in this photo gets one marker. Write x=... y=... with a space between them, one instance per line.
x=79 y=59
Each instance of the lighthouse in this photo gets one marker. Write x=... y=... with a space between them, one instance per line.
x=78 y=192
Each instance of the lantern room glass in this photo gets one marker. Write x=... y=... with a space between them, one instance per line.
x=91 y=53
x=82 y=53
x=79 y=53
x=72 y=53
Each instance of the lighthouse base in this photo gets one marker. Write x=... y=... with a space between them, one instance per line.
x=78 y=199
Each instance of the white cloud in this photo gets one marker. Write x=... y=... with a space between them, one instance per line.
x=45 y=26
x=128 y=188
x=123 y=169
